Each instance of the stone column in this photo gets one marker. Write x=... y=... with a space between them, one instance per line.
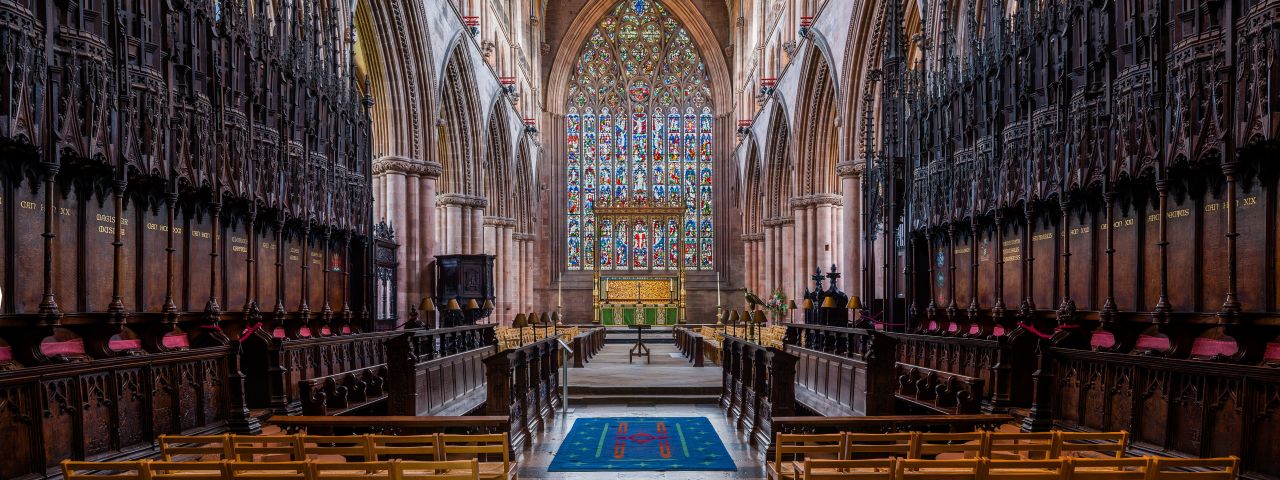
x=850 y=225
x=477 y=229
x=768 y=260
x=787 y=255
x=510 y=263
x=429 y=235
x=411 y=236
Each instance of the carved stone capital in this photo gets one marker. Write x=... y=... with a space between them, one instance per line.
x=816 y=200
x=850 y=169
x=752 y=237
x=777 y=221
x=461 y=200
x=499 y=221
x=407 y=166
x=523 y=237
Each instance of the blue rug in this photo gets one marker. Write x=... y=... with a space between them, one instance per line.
x=634 y=443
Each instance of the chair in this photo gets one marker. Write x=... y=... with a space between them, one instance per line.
x=967 y=469
x=217 y=446
x=1025 y=469
x=335 y=448
x=1107 y=468
x=1075 y=444
x=453 y=470
x=272 y=470
x=352 y=470
x=1020 y=446
x=167 y=470
x=880 y=445
x=73 y=470
x=1224 y=468
x=484 y=448
x=818 y=469
x=967 y=444
x=799 y=447
x=406 y=447
x=266 y=448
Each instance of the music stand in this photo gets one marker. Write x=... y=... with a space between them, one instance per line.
x=640 y=349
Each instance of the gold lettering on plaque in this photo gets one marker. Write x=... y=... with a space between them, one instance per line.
x=1042 y=236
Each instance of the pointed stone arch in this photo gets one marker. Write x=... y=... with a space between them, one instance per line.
x=459 y=130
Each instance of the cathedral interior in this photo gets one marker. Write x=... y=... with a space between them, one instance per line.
x=773 y=239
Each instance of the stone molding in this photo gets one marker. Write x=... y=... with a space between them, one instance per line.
x=461 y=200
x=407 y=166
x=817 y=199
x=777 y=221
x=850 y=169
x=752 y=237
x=499 y=221
x=523 y=237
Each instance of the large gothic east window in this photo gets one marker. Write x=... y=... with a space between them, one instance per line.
x=639 y=129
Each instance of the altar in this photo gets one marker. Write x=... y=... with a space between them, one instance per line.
x=628 y=296
x=639 y=301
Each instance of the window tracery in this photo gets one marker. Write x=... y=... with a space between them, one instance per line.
x=639 y=129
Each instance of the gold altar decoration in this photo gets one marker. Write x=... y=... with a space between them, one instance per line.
x=647 y=291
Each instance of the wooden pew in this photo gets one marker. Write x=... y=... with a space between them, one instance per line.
x=344 y=392
x=438 y=371
x=275 y=366
x=690 y=343
x=842 y=371
x=938 y=391
x=523 y=385
x=884 y=424
x=758 y=385
x=391 y=425
x=586 y=345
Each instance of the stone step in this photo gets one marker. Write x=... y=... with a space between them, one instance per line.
x=643 y=400
x=642 y=391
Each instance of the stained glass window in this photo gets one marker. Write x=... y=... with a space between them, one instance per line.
x=639 y=128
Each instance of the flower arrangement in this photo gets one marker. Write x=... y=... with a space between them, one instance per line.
x=776 y=304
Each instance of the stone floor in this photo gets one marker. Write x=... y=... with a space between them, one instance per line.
x=535 y=460
x=610 y=368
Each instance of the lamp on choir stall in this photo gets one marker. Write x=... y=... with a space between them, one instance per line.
x=828 y=310
x=555 y=322
x=453 y=313
x=758 y=323
x=791 y=305
x=855 y=304
x=519 y=323
x=473 y=311
x=545 y=320
x=428 y=310
x=488 y=305
x=733 y=322
x=807 y=306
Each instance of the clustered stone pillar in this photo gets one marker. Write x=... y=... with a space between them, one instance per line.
x=779 y=258
x=817 y=233
x=753 y=250
x=524 y=271
x=403 y=188
x=850 y=226
x=499 y=242
x=461 y=223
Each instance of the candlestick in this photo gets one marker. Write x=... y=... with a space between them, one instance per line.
x=559 y=293
x=718 y=288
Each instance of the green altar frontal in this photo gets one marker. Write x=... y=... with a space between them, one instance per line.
x=644 y=314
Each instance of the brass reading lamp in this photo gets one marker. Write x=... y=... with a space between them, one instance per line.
x=807 y=305
x=760 y=321
x=828 y=310
x=488 y=307
x=545 y=320
x=855 y=304
x=555 y=323
x=453 y=314
x=733 y=321
x=791 y=305
x=473 y=311
x=519 y=323
x=427 y=309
